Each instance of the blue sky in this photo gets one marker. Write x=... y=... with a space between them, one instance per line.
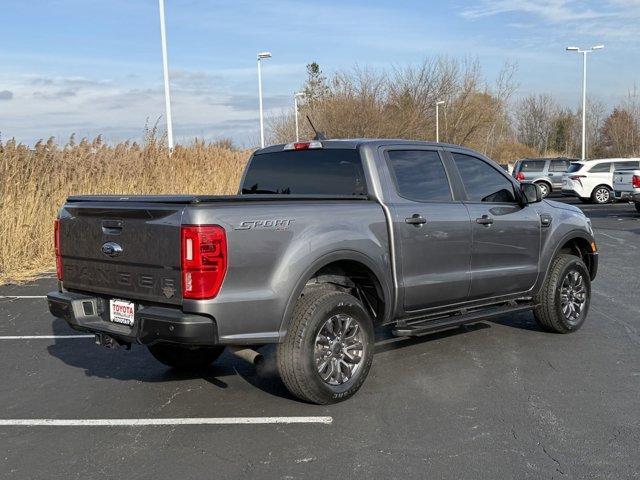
x=91 y=67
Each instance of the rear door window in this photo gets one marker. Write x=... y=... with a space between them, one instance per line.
x=482 y=182
x=601 y=168
x=419 y=175
x=532 y=166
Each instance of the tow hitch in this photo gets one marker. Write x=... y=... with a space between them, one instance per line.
x=108 y=341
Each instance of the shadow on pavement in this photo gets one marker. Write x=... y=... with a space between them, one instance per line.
x=138 y=364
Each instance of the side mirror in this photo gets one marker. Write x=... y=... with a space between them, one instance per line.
x=531 y=193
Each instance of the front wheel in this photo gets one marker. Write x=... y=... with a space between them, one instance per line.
x=545 y=189
x=601 y=194
x=185 y=358
x=327 y=353
x=563 y=300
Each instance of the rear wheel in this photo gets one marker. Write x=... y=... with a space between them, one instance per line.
x=545 y=188
x=185 y=358
x=328 y=350
x=601 y=194
x=563 y=300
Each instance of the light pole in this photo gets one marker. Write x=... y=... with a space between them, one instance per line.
x=584 y=92
x=261 y=55
x=165 y=71
x=441 y=102
x=295 y=107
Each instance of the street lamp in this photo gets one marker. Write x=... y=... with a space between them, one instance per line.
x=295 y=107
x=584 y=92
x=441 y=102
x=261 y=56
x=165 y=72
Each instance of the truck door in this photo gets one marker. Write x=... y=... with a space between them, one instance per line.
x=506 y=236
x=432 y=231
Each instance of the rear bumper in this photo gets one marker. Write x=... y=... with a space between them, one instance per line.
x=622 y=195
x=569 y=193
x=152 y=324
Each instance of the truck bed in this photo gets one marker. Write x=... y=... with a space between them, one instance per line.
x=193 y=199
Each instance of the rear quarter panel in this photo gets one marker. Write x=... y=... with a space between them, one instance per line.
x=273 y=248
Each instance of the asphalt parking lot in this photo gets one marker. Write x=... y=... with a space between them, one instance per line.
x=499 y=399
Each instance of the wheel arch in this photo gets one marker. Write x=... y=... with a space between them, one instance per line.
x=606 y=185
x=338 y=269
x=546 y=182
x=580 y=245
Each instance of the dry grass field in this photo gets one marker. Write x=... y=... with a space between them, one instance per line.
x=34 y=183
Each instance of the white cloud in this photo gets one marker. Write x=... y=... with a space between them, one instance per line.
x=607 y=19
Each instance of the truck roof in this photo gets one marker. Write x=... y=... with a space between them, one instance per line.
x=353 y=143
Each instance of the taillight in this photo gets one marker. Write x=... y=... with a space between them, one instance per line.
x=56 y=246
x=636 y=181
x=520 y=176
x=204 y=260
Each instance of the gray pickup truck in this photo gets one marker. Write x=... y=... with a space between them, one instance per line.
x=325 y=241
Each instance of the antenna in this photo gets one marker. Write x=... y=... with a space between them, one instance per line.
x=319 y=135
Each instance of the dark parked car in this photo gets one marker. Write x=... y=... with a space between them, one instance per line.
x=544 y=172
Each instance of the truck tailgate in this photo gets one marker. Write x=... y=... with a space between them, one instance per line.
x=622 y=180
x=128 y=250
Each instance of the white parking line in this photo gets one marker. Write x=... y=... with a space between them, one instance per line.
x=23 y=296
x=134 y=422
x=38 y=337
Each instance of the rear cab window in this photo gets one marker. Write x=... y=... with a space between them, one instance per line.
x=329 y=171
x=632 y=165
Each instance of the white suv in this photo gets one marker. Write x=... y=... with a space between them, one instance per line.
x=592 y=180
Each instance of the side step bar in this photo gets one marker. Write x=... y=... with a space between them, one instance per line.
x=431 y=325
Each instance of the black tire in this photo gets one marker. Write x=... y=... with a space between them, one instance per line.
x=297 y=354
x=601 y=194
x=550 y=313
x=185 y=358
x=545 y=188
x=637 y=204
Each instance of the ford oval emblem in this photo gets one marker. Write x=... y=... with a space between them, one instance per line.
x=112 y=249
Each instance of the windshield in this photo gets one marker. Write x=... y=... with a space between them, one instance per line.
x=574 y=167
x=306 y=172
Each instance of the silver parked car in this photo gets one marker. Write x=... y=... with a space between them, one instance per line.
x=545 y=172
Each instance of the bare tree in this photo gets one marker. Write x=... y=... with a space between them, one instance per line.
x=534 y=120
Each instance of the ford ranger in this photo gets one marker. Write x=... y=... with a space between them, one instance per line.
x=325 y=241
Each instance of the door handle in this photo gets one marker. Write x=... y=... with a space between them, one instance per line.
x=416 y=219
x=485 y=220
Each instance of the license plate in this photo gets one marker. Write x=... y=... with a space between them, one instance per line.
x=122 y=311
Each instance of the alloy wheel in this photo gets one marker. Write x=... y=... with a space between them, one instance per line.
x=573 y=296
x=603 y=195
x=339 y=349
